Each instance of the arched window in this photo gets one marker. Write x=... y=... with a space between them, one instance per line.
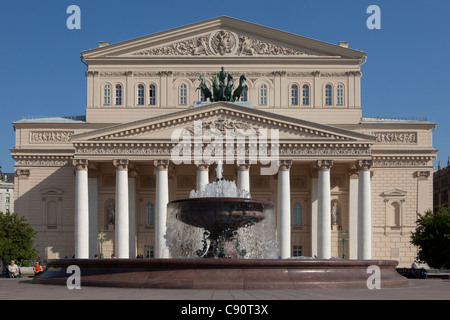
x=107 y=94
x=243 y=97
x=263 y=95
x=340 y=94
x=297 y=214
x=140 y=95
x=328 y=95
x=152 y=95
x=305 y=95
x=183 y=94
x=294 y=95
x=118 y=94
x=149 y=214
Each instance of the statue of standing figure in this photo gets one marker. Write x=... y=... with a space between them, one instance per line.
x=335 y=214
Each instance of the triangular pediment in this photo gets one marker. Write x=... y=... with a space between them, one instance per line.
x=394 y=193
x=222 y=118
x=221 y=37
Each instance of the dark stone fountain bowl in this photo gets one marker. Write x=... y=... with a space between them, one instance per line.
x=219 y=214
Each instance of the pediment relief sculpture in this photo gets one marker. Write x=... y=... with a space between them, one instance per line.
x=222 y=43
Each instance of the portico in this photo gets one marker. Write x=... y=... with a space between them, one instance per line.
x=140 y=147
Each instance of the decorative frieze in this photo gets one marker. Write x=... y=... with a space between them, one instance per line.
x=50 y=136
x=396 y=137
x=388 y=162
x=42 y=162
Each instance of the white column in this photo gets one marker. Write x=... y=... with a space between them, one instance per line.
x=365 y=214
x=324 y=210
x=284 y=209
x=162 y=198
x=132 y=208
x=353 y=216
x=81 y=210
x=243 y=176
x=122 y=249
x=93 y=211
x=202 y=176
x=314 y=215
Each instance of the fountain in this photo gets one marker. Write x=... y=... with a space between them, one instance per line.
x=221 y=238
x=222 y=215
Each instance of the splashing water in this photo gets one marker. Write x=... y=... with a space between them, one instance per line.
x=257 y=241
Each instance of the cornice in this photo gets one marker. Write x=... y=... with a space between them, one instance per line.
x=185 y=116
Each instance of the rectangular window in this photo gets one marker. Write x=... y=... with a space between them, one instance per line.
x=149 y=252
x=297 y=251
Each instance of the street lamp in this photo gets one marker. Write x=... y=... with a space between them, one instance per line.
x=101 y=238
x=344 y=238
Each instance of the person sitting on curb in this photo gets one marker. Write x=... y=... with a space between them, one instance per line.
x=13 y=270
x=37 y=268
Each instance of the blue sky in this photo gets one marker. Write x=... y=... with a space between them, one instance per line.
x=406 y=74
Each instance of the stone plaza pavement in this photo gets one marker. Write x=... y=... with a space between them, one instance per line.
x=24 y=289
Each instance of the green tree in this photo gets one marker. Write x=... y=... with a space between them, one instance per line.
x=432 y=237
x=16 y=239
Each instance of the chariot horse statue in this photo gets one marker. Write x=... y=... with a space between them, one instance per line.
x=203 y=88
x=242 y=86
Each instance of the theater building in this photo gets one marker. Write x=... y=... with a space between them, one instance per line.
x=338 y=175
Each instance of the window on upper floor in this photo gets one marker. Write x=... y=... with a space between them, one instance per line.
x=118 y=94
x=340 y=94
x=263 y=95
x=294 y=95
x=305 y=95
x=183 y=94
x=328 y=95
x=106 y=94
x=152 y=95
x=243 y=97
x=140 y=95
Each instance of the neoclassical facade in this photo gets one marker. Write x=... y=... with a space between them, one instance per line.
x=332 y=173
